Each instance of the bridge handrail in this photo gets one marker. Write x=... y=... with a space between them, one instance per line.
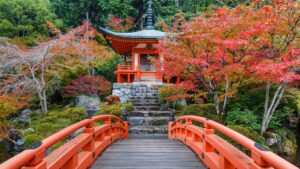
x=35 y=155
x=261 y=157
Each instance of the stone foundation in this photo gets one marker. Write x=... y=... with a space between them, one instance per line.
x=125 y=90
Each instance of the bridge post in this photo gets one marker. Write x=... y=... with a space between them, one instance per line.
x=207 y=131
x=188 y=122
x=109 y=132
x=258 y=161
x=89 y=147
x=38 y=162
x=169 y=130
x=107 y=121
x=224 y=163
x=126 y=130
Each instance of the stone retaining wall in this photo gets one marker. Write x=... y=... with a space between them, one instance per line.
x=125 y=90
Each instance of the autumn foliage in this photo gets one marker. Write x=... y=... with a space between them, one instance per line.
x=9 y=104
x=119 y=24
x=220 y=51
x=88 y=85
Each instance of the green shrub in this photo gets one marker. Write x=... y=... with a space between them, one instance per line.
x=6 y=28
x=108 y=67
x=198 y=109
x=23 y=18
x=36 y=116
x=128 y=106
x=74 y=114
x=203 y=110
x=34 y=102
x=45 y=125
x=31 y=139
x=245 y=118
x=53 y=107
x=116 y=109
x=28 y=41
x=49 y=128
x=47 y=119
x=44 y=128
x=248 y=132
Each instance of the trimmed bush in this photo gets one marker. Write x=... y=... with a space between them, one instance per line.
x=248 y=132
x=45 y=125
x=116 y=109
x=112 y=99
x=31 y=139
x=198 y=109
x=74 y=114
x=245 y=118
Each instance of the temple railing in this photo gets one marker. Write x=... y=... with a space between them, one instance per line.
x=80 y=152
x=126 y=67
x=216 y=153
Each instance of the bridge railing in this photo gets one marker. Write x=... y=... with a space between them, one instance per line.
x=217 y=153
x=80 y=152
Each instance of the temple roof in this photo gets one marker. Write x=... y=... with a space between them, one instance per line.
x=124 y=43
x=143 y=34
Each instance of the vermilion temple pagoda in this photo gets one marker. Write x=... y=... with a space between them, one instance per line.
x=137 y=48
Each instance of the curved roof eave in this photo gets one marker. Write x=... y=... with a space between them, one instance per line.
x=144 y=34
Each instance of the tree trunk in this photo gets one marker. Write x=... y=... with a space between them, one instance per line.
x=270 y=108
x=45 y=101
x=41 y=102
x=217 y=102
x=225 y=99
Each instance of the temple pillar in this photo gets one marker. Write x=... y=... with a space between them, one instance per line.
x=128 y=78
x=118 y=78
x=136 y=61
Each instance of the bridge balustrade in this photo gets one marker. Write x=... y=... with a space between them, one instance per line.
x=217 y=153
x=80 y=152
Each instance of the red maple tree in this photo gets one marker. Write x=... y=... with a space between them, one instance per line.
x=88 y=85
x=219 y=51
x=119 y=24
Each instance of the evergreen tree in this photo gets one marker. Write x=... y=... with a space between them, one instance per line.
x=24 y=17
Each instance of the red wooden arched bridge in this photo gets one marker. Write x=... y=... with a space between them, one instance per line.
x=98 y=147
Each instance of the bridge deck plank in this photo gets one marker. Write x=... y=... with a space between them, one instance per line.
x=147 y=153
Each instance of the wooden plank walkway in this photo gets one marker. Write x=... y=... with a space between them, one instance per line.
x=148 y=153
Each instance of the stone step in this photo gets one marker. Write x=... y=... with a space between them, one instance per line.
x=149 y=91
x=143 y=95
x=145 y=101
x=160 y=129
x=150 y=113
x=152 y=136
x=146 y=121
x=148 y=108
x=144 y=104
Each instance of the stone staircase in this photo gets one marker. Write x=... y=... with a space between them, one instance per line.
x=148 y=117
